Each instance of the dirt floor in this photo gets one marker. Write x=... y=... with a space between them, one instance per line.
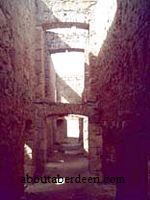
x=68 y=165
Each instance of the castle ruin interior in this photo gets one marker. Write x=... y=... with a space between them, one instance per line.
x=75 y=98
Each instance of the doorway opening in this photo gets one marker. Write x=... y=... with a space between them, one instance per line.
x=72 y=134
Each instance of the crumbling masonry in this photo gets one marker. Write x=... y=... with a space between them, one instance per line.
x=114 y=38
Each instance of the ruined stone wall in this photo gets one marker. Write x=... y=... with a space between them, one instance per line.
x=68 y=87
x=66 y=38
x=61 y=132
x=43 y=13
x=46 y=88
x=121 y=76
x=50 y=78
x=50 y=15
x=50 y=93
x=103 y=13
x=39 y=63
x=65 y=11
x=17 y=53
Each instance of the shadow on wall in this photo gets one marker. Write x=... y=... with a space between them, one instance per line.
x=63 y=89
x=54 y=41
x=121 y=80
x=43 y=10
x=44 y=13
x=67 y=92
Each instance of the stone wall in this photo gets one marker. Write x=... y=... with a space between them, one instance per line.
x=61 y=131
x=121 y=81
x=103 y=13
x=116 y=81
x=40 y=63
x=69 y=88
x=67 y=38
x=17 y=53
x=121 y=74
x=50 y=78
x=65 y=11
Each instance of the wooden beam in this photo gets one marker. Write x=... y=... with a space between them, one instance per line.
x=52 y=51
x=49 y=25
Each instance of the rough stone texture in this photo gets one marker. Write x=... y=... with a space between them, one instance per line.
x=69 y=88
x=50 y=15
x=17 y=89
x=61 y=131
x=101 y=19
x=67 y=38
x=44 y=13
x=40 y=63
x=40 y=141
x=51 y=109
x=121 y=79
x=27 y=73
x=116 y=94
x=50 y=78
x=51 y=136
x=64 y=11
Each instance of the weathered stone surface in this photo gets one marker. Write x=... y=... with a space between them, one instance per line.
x=116 y=82
x=65 y=11
x=67 y=38
x=17 y=34
x=121 y=79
